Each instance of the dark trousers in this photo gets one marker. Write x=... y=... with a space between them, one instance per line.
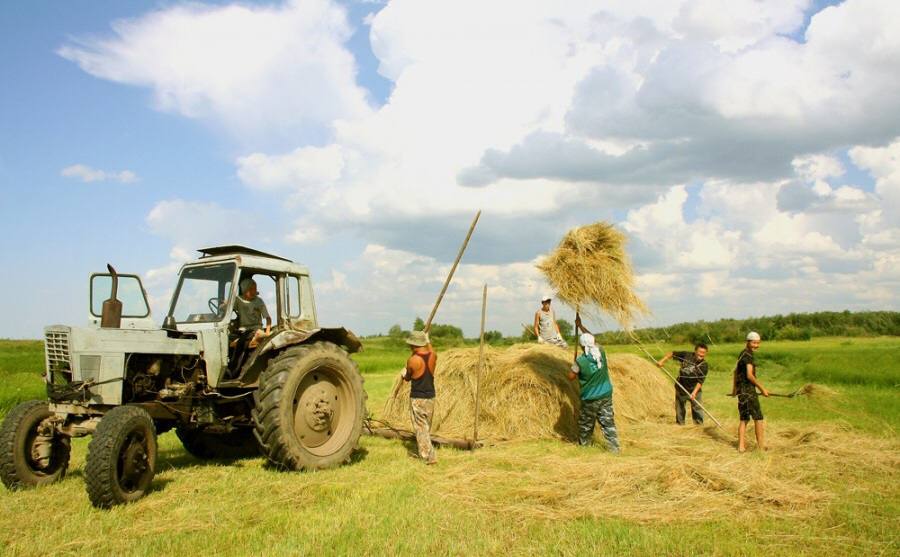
x=696 y=412
x=239 y=354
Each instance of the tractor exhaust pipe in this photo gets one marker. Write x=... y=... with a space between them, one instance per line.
x=111 y=316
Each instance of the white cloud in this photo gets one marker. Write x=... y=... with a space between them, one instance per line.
x=192 y=224
x=884 y=165
x=305 y=167
x=259 y=70
x=713 y=132
x=384 y=286
x=818 y=167
x=87 y=174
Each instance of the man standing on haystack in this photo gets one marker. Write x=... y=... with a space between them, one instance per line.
x=420 y=371
x=691 y=376
x=592 y=371
x=546 y=329
x=744 y=387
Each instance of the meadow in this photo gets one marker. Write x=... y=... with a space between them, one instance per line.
x=494 y=500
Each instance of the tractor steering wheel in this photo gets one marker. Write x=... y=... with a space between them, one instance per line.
x=215 y=305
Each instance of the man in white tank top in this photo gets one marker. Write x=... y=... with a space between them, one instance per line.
x=546 y=328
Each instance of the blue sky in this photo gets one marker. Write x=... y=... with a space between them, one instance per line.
x=751 y=157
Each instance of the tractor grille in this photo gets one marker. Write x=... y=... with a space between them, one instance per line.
x=56 y=347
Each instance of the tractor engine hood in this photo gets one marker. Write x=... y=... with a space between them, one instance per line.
x=99 y=355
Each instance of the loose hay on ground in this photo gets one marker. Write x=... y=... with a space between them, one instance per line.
x=590 y=271
x=672 y=474
x=526 y=394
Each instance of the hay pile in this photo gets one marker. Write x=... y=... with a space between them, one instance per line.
x=525 y=394
x=673 y=474
x=814 y=390
x=591 y=272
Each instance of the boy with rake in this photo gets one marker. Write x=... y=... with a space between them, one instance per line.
x=744 y=387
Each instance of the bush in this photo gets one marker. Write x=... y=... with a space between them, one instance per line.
x=493 y=337
x=445 y=331
x=792 y=332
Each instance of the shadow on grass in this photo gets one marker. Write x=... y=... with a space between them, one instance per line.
x=357 y=456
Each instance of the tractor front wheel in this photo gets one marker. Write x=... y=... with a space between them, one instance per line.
x=121 y=458
x=31 y=453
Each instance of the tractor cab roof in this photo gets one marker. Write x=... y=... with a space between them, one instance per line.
x=236 y=250
x=249 y=258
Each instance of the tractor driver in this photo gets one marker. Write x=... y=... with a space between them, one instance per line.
x=250 y=311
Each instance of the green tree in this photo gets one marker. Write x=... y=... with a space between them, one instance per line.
x=492 y=337
x=418 y=325
x=565 y=328
x=396 y=331
x=445 y=331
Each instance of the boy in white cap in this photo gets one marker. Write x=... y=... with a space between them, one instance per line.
x=546 y=329
x=592 y=371
x=744 y=387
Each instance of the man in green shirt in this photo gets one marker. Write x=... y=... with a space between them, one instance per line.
x=592 y=371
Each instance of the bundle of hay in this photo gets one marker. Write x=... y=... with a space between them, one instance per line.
x=590 y=271
x=526 y=394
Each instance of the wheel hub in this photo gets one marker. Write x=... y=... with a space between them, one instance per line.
x=42 y=451
x=317 y=409
x=134 y=462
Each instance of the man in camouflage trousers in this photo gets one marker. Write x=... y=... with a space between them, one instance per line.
x=419 y=371
x=592 y=371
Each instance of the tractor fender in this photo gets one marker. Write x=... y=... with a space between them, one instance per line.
x=274 y=344
x=335 y=335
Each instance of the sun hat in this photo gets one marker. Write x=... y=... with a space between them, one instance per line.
x=546 y=297
x=417 y=338
x=753 y=335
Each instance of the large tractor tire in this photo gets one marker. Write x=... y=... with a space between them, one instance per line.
x=29 y=458
x=238 y=443
x=121 y=458
x=310 y=407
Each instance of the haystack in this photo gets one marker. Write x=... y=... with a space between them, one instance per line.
x=525 y=393
x=591 y=272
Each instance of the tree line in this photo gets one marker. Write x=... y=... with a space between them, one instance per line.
x=793 y=326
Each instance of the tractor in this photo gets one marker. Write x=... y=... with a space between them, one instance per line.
x=294 y=396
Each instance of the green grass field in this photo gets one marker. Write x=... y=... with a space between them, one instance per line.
x=387 y=503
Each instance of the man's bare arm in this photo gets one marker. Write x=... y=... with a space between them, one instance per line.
x=696 y=390
x=664 y=359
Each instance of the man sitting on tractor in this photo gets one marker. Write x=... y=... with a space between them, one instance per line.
x=250 y=313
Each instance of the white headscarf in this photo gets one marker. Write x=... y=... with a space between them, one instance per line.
x=587 y=341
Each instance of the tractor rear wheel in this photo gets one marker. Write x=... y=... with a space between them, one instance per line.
x=121 y=458
x=310 y=407
x=238 y=443
x=31 y=457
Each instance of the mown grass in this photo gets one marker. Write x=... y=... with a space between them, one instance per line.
x=386 y=502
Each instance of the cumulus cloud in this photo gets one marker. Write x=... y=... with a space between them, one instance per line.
x=699 y=110
x=385 y=286
x=259 y=70
x=194 y=224
x=87 y=174
x=711 y=136
x=303 y=168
